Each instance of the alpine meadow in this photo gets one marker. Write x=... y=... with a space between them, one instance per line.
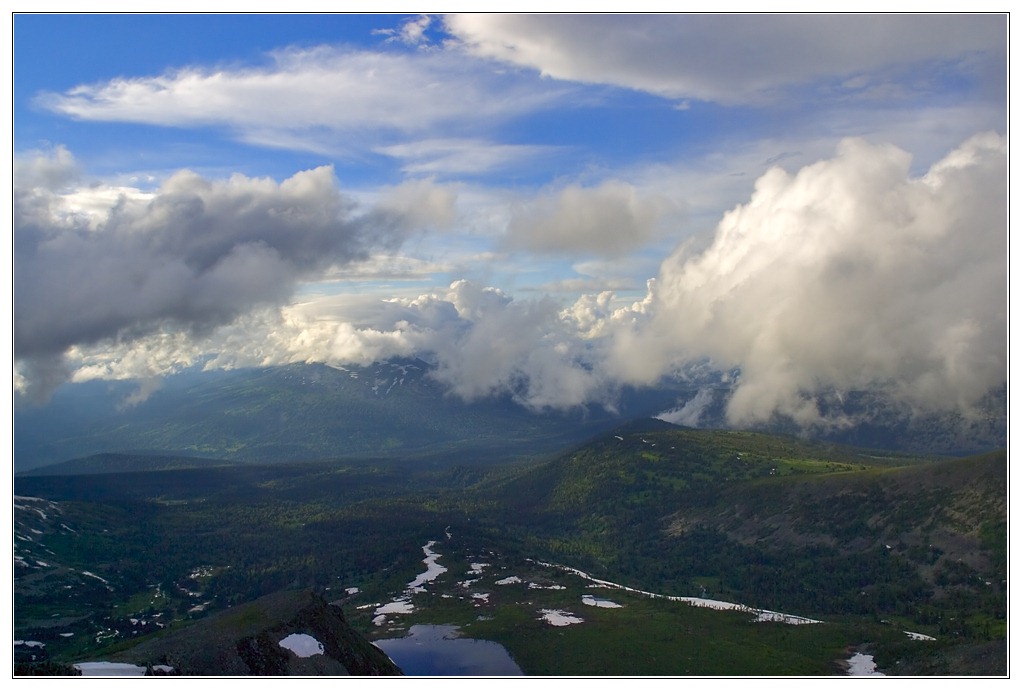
x=497 y=345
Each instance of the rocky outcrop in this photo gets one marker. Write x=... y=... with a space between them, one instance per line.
x=247 y=640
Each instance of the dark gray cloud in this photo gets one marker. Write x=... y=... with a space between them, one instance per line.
x=192 y=256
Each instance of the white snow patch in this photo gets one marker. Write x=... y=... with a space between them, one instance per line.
x=508 y=580
x=771 y=616
x=66 y=634
x=107 y=669
x=22 y=642
x=863 y=664
x=553 y=587
x=352 y=590
x=477 y=567
x=302 y=645
x=399 y=606
x=599 y=602
x=760 y=615
x=402 y=604
x=485 y=597
x=559 y=618
x=433 y=570
x=199 y=572
x=916 y=636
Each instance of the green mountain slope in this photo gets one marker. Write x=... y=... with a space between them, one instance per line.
x=853 y=537
x=815 y=529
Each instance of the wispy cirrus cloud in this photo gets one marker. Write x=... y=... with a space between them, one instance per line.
x=318 y=99
x=412 y=32
x=466 y=156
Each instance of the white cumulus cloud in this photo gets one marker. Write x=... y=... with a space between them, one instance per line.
x=850 y=274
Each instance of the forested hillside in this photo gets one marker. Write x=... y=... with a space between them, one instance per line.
x=820 y=530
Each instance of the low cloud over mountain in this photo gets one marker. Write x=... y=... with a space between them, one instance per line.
x=849 y=274
x=548 y=207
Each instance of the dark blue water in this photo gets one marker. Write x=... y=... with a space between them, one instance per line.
x=437 y=650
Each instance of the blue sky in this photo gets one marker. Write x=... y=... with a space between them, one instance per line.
x=553 y=206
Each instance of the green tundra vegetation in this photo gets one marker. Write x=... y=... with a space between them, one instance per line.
x=871 y=543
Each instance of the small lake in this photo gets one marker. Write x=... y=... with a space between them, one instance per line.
x=437 y=650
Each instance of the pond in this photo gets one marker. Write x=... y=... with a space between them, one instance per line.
x=437 y=650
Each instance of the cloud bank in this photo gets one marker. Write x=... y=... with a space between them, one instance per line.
x=733 y=59
x=850 y=274
x=191 y=256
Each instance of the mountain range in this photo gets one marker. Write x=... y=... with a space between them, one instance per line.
x=396 y=409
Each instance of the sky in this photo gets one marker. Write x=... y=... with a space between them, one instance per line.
x=548 y=206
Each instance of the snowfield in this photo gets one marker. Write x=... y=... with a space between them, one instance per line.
x=433 y=570
x=399 y=606
x=402 y=604
x=760 y=615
